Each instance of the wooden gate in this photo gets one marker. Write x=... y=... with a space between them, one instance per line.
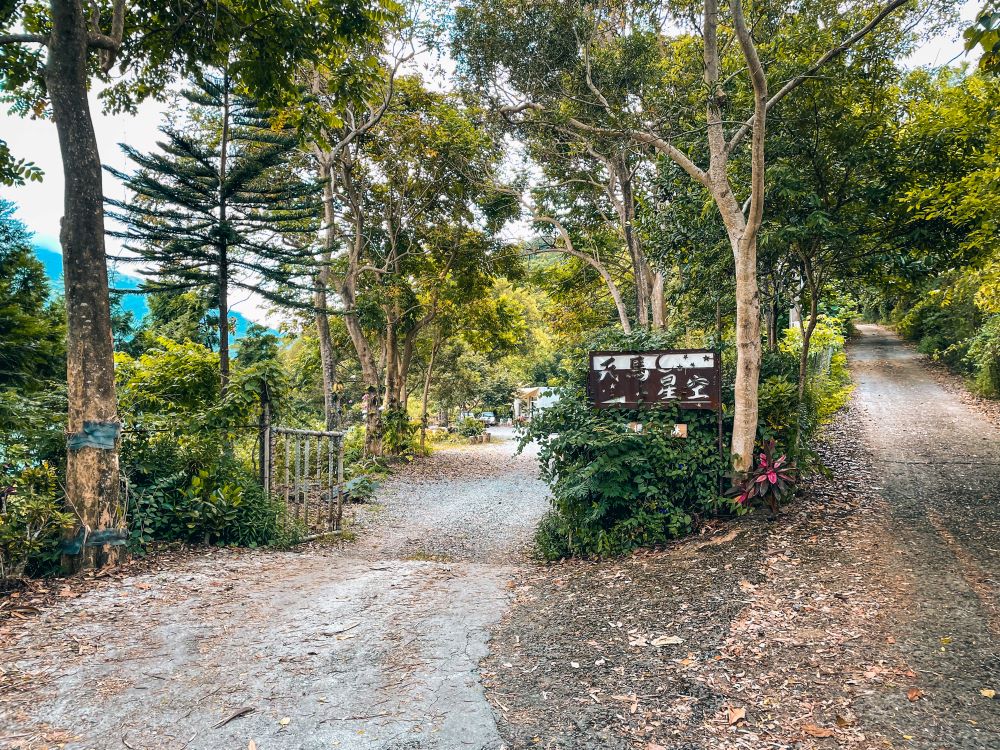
x=306 y=469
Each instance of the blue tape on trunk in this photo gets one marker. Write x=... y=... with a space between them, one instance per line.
x=100 y=435
x=114 y=537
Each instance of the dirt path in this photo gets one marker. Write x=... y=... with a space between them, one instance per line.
x=374 y=645
x=938 y=464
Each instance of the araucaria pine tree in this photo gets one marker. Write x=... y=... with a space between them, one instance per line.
x=220 y=206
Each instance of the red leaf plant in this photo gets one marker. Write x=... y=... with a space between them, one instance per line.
x=769 y=483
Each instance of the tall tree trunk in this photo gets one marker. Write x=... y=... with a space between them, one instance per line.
x=328 y=361
x=223 y=245
x=327 y=358
x=748 y=354
x=92 y=479
x=772 y=324
x=391 y=392
x=425 y=396
x=657 y=301
x=742 y=229
x=807 y=332
x=223 y=316
x=640 y=269
x=369 y=370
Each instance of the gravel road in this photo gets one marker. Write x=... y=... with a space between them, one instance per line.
x=374 y=644
x=470 y=504
x=939 y=470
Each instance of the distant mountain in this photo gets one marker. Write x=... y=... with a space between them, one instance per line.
x=134 y=303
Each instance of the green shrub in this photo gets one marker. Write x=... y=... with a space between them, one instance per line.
x=33 y=425
x=399 y=433
x=31 y=522
x=828 y=385
x=829 y=392
x=223 y=505
x=354 y=444
x=553 y=537
x=360 y=488
x=942 y=323
x=984 y=357
x=470 y=427
x=778 y=414
x=613 y=489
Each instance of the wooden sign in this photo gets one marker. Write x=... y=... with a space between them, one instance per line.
x=688 y=378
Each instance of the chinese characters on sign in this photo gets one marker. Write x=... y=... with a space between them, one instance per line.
x=690 y=378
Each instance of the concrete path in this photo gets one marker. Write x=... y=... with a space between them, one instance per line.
x=375 y=645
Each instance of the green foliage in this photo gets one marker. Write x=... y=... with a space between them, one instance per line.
x=187 y=452
x=830 y=391
x=31 y=521
x=203 y=200
x=614 y=489
x=361 y=488
x=470 y=427
x=222 y=504
x=984 y=357
x=948 y=289
x=354 y=445
x=778 y=413
x=985 y=33
x=32 y=352
x=15 y=171
x=399 y=433
x=943 y=322
x=258 y=345
x=782 y=417
x=827 y=337
x=265 y=46
x=33 y=425
x=32 y=330
x=553 y=537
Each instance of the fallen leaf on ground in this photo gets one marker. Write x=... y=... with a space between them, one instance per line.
x=734 y=715
x=987 y=693
x=914 y=694
x=814 y=730
x=667 y=640
x=284 y=722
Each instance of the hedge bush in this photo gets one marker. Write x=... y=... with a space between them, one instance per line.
x=614 y=489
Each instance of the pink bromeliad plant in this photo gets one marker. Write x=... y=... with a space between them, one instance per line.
x=769 y=482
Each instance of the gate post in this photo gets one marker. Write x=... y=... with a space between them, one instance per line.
x=265 y=445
